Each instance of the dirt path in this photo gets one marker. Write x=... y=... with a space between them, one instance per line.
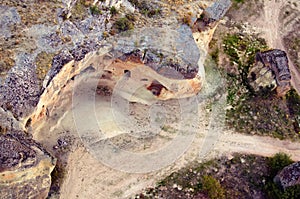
x=273 y=32
x=264 y=146
x=89 y=178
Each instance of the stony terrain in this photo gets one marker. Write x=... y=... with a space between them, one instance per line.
x=125 y=93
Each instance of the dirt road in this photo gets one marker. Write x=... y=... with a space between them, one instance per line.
x=274 y=31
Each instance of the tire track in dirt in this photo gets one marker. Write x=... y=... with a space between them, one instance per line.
x=274 y=34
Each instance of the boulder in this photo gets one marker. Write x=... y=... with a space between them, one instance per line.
x=25 y=167
x=212 y=15
x=289 y=176
x=277 y=61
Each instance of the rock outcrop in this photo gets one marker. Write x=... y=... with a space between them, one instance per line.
x=211 y=15
x=289 y=176
x=204 y=27
x=277 y=61
x=25 y=167
x=20 y=91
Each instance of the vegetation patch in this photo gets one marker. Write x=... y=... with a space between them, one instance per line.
x=80 y=10
x=43 y=65
x=272 y=190
x=187 y=19
x=212 y=187
x=113 y=11
x=145 y=8
x=124 y=24
x=241 y=176
x=95 y=10
x=6 y=60
x=254 y=112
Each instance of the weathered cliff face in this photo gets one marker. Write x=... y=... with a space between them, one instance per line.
x=25 y=167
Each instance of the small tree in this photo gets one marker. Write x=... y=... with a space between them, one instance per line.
x=278 y=162
x=124 y=24
x=113 y=11
x=213 y=187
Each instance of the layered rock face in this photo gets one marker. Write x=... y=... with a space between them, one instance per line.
x=25 y=167
x=277 y=61
x=289 y=176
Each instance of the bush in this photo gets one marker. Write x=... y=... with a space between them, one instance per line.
x=124 y=24
x=213 y=188
x=95 y=10
x=275 y=192
x=278 y=162
x=145 y=8
x=187 y=20
x=113 y=11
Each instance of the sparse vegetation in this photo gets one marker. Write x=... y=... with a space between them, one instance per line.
x=80 y=10
x=212 y=187
x=272 y=190
x=124 y=24
x=278 y=162
x=145 y=8
x=95 y=10
x=169 y=129
x=237 y=177
x=241 y=50
x=254 y=112
x=113 y=11
x=43 y=63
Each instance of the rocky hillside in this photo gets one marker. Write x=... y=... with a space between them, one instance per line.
x=106 y=91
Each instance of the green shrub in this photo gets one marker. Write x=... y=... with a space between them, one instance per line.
x=273 y=191
x=124 y=24
x=278 y=162
x=113 y=11
x=145 y=8
x=213 y=188
x=95 y=10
